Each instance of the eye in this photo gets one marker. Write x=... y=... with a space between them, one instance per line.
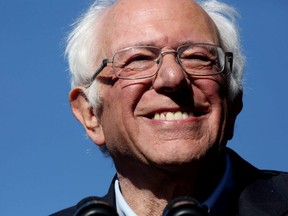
x=138 y=62
x=201 y=59
x=138 y=58
x=196 y=57
x=199 y=63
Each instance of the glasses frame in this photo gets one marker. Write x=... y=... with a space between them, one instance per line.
x=227 y=55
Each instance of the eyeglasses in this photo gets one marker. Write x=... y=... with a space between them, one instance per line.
x=140 y=62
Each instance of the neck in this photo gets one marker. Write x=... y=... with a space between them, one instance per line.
x=148 y=189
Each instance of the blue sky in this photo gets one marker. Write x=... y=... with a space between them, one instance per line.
x=46 y=161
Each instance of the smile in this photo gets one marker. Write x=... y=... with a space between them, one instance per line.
x=169 y=116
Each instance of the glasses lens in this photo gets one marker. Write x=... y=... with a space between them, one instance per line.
x=136 y=62
x=201 y=59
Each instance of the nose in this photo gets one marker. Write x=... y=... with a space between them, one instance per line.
x=170 y=76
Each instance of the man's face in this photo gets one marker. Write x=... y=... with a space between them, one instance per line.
x=128 y=120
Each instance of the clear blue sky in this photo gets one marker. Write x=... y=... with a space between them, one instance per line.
x=47 y=162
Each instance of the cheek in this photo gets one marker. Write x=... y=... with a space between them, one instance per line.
x=125 y=95
x=214 y=92
x=212 y=88
x=119 y=102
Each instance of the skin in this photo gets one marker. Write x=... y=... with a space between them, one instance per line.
x=153 y=155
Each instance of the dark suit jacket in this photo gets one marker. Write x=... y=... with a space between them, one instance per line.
x=256 y=192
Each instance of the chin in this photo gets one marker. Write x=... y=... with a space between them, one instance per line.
x=183 y=156
x=179 y=158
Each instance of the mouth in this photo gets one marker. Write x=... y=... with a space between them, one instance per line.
x=171 y=116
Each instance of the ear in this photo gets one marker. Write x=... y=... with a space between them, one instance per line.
x=234 y=109
x=86 y=115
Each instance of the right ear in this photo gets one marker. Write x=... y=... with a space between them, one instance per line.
x=86 y=115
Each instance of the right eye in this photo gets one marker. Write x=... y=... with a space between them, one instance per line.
x=137 y=61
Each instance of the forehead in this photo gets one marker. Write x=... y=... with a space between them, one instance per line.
x=156 y=22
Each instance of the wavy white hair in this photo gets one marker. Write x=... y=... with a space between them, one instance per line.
x=84 y=40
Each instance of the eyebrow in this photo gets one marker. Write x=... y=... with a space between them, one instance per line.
x=194 y=42
x=142 y=43
x=154 y=44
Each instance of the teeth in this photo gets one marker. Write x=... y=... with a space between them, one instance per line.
x=178 y=115
x=168 y=116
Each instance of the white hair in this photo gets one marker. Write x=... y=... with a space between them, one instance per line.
x=83 y=45
x=83 y=48
x=224 y=17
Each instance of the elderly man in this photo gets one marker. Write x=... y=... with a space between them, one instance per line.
x=157 y=85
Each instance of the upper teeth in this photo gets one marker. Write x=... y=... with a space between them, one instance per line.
x=172 y=115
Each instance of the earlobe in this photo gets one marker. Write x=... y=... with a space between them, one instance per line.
x=86 y=115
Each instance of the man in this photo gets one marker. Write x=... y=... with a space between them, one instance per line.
x=157 y=85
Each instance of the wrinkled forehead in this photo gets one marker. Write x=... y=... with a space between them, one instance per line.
x=156 y=22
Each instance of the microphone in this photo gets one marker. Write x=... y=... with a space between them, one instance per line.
x=181 y=206
x=94 y=207
x=185 y=206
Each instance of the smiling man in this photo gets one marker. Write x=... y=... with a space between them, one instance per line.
x=157 y=85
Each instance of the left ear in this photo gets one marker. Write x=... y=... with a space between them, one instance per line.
x=234 y=108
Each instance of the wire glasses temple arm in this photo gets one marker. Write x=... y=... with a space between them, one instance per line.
x=229 y=57
x=99 y=69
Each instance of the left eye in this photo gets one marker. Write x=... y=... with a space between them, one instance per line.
x=197 y=57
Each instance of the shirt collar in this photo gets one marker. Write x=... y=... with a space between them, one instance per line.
x=123 y=209
x=217 y=202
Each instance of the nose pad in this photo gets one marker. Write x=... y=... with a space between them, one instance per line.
x=170 y=76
